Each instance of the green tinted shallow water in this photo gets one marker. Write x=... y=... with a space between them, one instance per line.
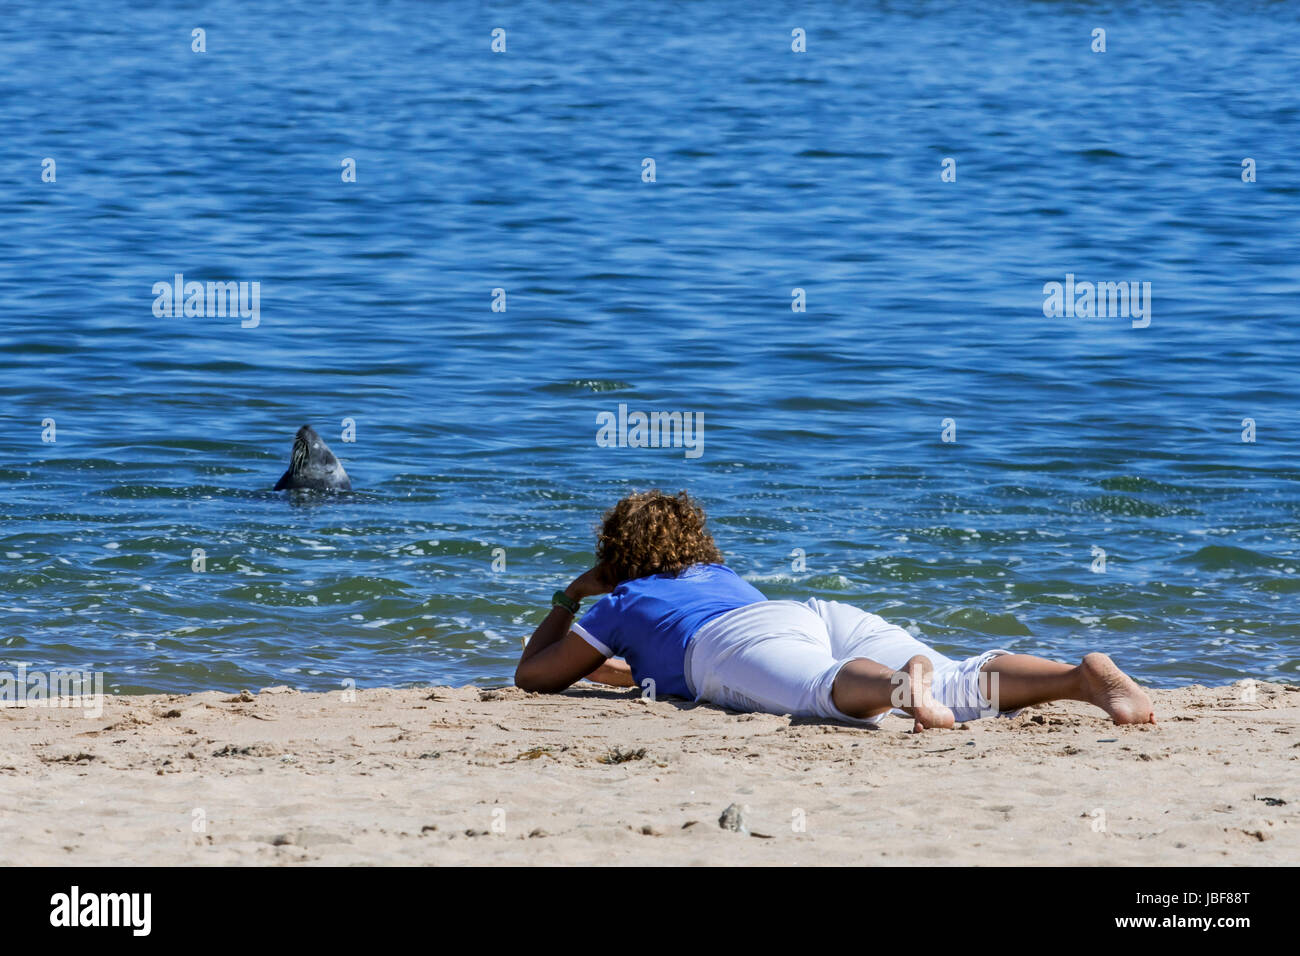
x=368 y=587
x=476 y=430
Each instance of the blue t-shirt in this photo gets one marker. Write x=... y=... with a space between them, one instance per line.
x=649 y=621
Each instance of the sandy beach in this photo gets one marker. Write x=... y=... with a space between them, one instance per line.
x=470 y=776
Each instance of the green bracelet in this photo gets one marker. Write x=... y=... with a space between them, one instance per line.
x=560 y=599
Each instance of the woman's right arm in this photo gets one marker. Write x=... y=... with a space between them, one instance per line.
x=613 y=672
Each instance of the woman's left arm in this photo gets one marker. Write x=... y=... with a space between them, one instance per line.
x=555 y=657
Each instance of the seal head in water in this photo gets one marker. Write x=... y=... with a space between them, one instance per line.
x=313 y=466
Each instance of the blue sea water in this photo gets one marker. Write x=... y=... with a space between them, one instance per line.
x=823 y=467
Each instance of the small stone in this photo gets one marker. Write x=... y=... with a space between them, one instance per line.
x=733 y=819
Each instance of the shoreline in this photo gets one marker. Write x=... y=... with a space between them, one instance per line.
x=475 y=775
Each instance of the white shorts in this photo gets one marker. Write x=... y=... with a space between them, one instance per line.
x=781 y=657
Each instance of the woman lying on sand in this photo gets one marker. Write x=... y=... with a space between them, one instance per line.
x=678 y=617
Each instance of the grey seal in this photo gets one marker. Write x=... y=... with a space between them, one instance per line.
x=313 y=466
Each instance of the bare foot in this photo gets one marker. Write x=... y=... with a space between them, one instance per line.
x=1115 y=692
x=912 y=695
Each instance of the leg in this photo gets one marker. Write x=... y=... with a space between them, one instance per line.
x=886 y=667
x=772 y=657
x=855 y=633
x=863 y=688
x=1022 y=679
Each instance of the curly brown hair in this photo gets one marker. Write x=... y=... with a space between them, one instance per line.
x=651 y=532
